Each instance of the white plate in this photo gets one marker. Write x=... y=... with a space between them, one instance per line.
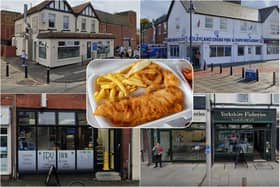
x=101 y=66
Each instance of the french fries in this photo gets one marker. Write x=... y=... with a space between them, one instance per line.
x=140 y=74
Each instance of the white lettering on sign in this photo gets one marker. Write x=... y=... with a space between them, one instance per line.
x=199 y=116
x=243 y=114
x=66 y=160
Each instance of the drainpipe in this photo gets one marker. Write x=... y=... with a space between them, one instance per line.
x=208 y=142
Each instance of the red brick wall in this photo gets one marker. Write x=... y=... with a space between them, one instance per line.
x=7 y=24
x=8 y=51
x=161 y=36
x=54 y=101
x=7 y=99
x=148 y=35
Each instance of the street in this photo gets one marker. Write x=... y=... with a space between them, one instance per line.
x=216 y=82
x=223 y=174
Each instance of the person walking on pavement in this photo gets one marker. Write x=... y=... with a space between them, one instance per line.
x=23 y=57
x=157 y=152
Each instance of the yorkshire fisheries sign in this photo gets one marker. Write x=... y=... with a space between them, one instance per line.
x=244 y=115
x=215 y=39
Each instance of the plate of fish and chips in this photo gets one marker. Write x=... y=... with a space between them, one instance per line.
x=146 y=93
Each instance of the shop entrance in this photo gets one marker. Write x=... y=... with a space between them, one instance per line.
x=107 y=150
x=196 y=57
x=88 y=50
x=261 y=144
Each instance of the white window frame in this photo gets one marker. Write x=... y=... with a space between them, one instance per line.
x=64 y=19
x=49 y=16
x=93 y=24
x=209 y=21
x=84 y=22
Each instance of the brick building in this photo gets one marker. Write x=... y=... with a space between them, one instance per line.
x=160 y=25
x=7 y=32
x=122 y=25
x=41 y=130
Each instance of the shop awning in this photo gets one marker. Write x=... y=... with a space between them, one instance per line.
x=74 y=35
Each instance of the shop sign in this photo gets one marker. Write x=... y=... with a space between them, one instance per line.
x=245 y=116
x=84 y=159
x=4 y=115
x=199 y=116
x=215 y=39
x=46 y=159
x=271 y=41
x=66 y=160
x=27 y=160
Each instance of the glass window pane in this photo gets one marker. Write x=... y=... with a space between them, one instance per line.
x=66 y=118
x=227 y=51
x=165 y=143
x=240 y=51
x=66 y=138
x=220 y=51
x=46 y=118
x=213 y=52
x=26 y=138
x=85 y=137
x=47 y=138
x=68 y=52
x=26 y=118
x=82 y=119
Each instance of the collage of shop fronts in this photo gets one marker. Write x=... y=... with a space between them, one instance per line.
x=237 y=121
x=41 y=130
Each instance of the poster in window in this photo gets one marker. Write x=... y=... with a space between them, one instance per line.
x=27 y=161
x=66 y=160
x=85 y=159
x=46 y=159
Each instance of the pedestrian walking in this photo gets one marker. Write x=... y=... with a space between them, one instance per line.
x=157 y=152
x=23 y=57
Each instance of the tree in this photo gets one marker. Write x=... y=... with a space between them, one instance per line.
x=144 y=22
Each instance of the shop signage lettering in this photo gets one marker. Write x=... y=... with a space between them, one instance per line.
x=66 y=160
x=216 y=39
x=199 y=116
x=46 y=159
x=246 y=116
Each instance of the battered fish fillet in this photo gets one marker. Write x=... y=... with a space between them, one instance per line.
x=139 y=109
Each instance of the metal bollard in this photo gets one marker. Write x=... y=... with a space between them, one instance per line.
x=204 y=67
x=212 y=67
x=243 y=72
x=274 y=78
x=230 y=70
x=26 y=71
x=257 y=75
x=7 y=69
x=48 y=75
x=221 y=68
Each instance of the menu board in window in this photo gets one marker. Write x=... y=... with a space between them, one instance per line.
x=66 y=160
x=85 y=159
x=27 y=161
x=46 y=159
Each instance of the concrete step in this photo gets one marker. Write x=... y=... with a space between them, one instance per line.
x=108 y=176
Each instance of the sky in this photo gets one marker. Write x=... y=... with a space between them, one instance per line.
x=152 y=9
x=111 y=6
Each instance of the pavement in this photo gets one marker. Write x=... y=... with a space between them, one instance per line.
x=223 y=174
x=66 y=79
x=66 y=180
x=209 y=82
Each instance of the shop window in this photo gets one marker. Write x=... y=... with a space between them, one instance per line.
x=81 y=117
x=272 y=49
x=46 y=118
x=65 y=22
x=66 y=138
x=26 y=118
x=47 y=140
x=249 y=50
x=26 y=138
x=213 y=51
x=69 y=49
x=165 y=143
x=258 y=50
x=228 y=51
x=51 y=20
x=66 y=118
x=240 y=50
x=174 y=50
x=42 y=49
x=84 y=21
x=220 y=51
x=223 y=24
x=208 y=22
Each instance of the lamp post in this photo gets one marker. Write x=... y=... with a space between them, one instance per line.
x=190 y=48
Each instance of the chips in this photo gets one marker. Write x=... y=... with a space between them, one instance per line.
x=140 y=74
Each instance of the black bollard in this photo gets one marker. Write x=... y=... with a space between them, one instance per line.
x=243 y=73
x=257 y=75
x=211 y=67
x=230 y=70
x=7 y=69
x=204 y=67
x=221 y=69
x=274 y=78
x=48 y=75
x=26 y=71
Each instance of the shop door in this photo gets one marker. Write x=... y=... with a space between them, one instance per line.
x=5 y=151
x=34 y=51
x=262 y=144
x=196 y=57
x=88 y=50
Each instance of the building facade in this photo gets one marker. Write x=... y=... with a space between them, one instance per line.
x=247 y=123
x=56 y=34
x=222 y=32
x=7 y=32
x=41 y=130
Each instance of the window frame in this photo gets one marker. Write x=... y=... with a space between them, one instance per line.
x=49 y=20
x=206 y=22
x=68 y=22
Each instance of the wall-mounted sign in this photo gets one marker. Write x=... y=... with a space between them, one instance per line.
x=66 y=160
x=244 y=116
x=4 y=115
x=199 y=116
x=84 y=159
x=215 y=39
x=46 y=159
x=27 y=160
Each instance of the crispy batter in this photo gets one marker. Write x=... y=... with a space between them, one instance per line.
x=132 y=111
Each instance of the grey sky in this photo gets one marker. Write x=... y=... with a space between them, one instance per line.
x=152 y=9
x=111 y=6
